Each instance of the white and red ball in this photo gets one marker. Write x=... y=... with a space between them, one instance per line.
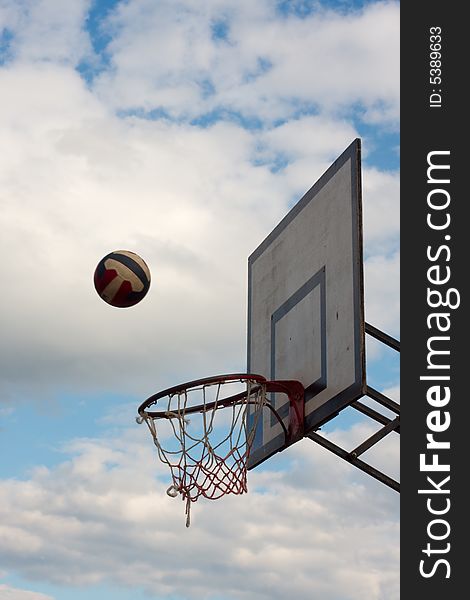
x=122 y=278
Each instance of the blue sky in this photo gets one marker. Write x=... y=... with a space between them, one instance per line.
x=184 y=132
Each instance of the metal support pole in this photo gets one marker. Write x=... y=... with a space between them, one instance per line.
x=319 y=439
x=376 y=437
x=382 y=337
x=373 y=414
x=383 y=400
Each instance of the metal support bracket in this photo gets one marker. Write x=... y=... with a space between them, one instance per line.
x=389 y=425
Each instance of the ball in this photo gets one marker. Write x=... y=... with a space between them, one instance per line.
x=122 y=278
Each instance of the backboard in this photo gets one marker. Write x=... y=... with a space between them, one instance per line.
x=306 y=305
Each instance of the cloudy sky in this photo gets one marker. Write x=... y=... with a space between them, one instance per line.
x=183 y=131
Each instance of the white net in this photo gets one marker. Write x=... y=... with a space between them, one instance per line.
x=206 y=447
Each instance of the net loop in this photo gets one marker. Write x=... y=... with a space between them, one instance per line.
x=172 y=491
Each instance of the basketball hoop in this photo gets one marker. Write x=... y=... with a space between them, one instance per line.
x=206 y=448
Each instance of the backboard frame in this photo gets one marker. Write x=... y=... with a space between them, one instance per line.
x=317 y=284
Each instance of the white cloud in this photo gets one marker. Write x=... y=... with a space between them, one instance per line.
x=43 y=31
x=305 y=148
x=78 y=180
x=335 y=52
x=393 y=392
x=382 y=455
x=381 y=216
x=382 y=288
x=190 y=200
x=101 y=514
x=266 y=63
x=96 y=184
x=9 y=593
x=164 y=56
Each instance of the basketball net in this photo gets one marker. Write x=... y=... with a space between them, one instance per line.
x=208 y=451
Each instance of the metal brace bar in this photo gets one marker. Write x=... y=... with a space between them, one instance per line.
x=382 y=337
x=385 y=479
x=373 y=414
x=376 y=437
x=382 y=399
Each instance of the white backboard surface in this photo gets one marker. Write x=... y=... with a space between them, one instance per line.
x=305 y=303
